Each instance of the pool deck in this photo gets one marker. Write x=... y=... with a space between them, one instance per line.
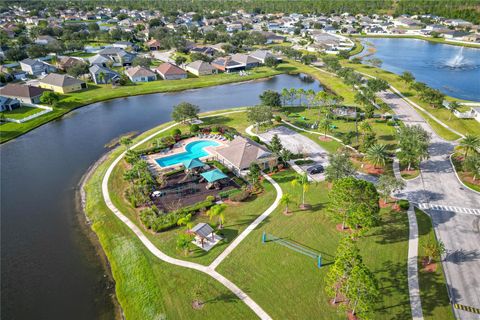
x=180 y=147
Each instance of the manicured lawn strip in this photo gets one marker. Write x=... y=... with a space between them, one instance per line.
x=429 y=39
x=385 y=134
x=465 y=177
x=328 y=81
x=288 y=285
x=438 y=128
x=358 y=48
x=97 y=93
x=146 y=287
x=21 y=112
x=433 y=287
x=463 y=126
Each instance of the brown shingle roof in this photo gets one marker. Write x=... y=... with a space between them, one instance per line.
x=140 y=71
x=169 y=69
x=60 y=80
x=21 y=90
x=241 y=152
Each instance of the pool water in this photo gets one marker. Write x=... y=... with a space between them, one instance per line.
x=195 y=149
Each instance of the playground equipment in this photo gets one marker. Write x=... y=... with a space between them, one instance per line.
x=293 y=246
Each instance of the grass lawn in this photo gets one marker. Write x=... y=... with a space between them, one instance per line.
x=146 y=287
x=303 y=117
x=97 y=93
x=81 y=54
x=328 y=81
x=433 y=287
x=20 y=113
x=288 y=285
x=406 y=174
x=466 y=177
x=463 y=126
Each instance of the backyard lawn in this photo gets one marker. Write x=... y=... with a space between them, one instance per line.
x=290 y=286
x=20 y=113
x=433 y=288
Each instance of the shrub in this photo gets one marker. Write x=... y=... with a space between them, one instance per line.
x=215 y=129
x=194 y=128
x=240 y=196
x=255 y=138
x=210 y=198
x=404 y=204
x=278 y=118
x=226 y=194
x=391 y=122
x=302 y=162
x=176 y=132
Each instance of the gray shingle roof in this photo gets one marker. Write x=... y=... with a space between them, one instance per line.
x=60 y=80
x=202 y=229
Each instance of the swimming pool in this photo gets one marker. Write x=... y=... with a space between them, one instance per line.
x=195 y=149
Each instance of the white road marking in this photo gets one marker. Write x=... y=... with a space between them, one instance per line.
x=439 y=207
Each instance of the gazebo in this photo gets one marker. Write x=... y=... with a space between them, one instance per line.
x=192 y=164
x=213 y=176
x=205 y=238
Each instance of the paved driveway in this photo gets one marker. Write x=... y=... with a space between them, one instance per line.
x=459 y=232
x=298 y=143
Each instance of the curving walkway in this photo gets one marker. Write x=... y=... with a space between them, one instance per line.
x=210 y=270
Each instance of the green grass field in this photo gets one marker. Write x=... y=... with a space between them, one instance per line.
x=20 y=113
x=465 y=177
x=290 y=286
x=433 y=288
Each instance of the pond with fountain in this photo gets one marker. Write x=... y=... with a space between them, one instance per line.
x=453 y=70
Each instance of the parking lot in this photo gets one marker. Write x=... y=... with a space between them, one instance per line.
x=297 y=143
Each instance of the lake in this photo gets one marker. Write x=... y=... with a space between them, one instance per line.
x=49 y=268
x=453 y=70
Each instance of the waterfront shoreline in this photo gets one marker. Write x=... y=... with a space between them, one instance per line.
x=429 y=39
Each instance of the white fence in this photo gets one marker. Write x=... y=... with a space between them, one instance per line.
x=33 y=116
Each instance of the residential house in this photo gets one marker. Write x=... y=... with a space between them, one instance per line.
x=22 y=92
x=262 y=55
x=226 y=64
x=103 y=75
x=246 y=60
x=119 y=56
x=99 y=60
x=200 y=68
x=170 y=71
x=241 y=152
x=153 y=45
x=62 y=83
x=208 y=51
x=67 y=62
x=36 y=67
x=8 y=104
x=125 y=45
x=140 y=74
x=45 y=40
x=272 y=37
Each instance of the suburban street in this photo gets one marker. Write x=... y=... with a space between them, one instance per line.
x=438 y=186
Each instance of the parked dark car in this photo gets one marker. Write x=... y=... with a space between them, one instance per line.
x=316 y=169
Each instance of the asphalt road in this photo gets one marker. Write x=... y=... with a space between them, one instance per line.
x=459 y=232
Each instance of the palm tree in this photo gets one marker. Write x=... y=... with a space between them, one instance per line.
x=293 y=94
x=301 y=180
x=185 y=221
x=218 y=212
x=300 y=93
x=470 y=143
x=286 y=200
x=453 y=106
x=101 y=77
x=365 y=127
x=285 y=96
x=325 y=124
x=433 y=250
x=377 y=155
x=310 y=97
